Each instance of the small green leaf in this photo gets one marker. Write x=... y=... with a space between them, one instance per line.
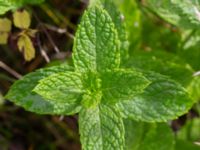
x=5 y=25
x=131 y=17
x=101 y=128
x=122 y=84
x=3 y=37
x=190 y=131
x=22 y=19
x=6 y=5
x=25 y=45
x=21 y=93
x=63 y=87
x=118 y=20
x=162 y=100
x=96 y=45
x=183 y=13
x=5 y=28
x=194 y=87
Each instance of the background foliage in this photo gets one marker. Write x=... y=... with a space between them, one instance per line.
x=163 y=37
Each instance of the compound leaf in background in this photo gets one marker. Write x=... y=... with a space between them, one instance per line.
x=182 y=13
x=25 y=45
x=22 y=19
x=101 y=128
x=5 y=28
x=163 y=100
x=96 y=46
x=6 y=5
x=21 y=93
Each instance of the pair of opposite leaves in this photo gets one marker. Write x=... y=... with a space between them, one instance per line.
x=22 y=20
x=97 y=88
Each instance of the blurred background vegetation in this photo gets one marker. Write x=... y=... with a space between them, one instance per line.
x=56 y=22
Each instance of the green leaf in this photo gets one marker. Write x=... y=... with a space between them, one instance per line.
x=183 y=13
x=5 y=28
x=164 y=63
x=96 y=45
x=22 y=19
x=63 y=87
x=194 y=87
x=21 y=93
x=132 y=19
x=190 y=131
x=158 y=136
x=185 y=145
x=146 y=136
x=118 y=20
x=134 y=134
x=122 y=84
x=6 y=5
x=162 y=100
x=190 y=49
x=25 y=45
x=101 y=128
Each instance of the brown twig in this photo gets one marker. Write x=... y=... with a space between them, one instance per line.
x=10 y=70
x=47 y=34
x=42 y=50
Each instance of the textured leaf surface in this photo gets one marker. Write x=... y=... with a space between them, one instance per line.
x=96 y=45
x=162 y=100
x=183 y=13
x=22 y=19
x=6 y=5
x=122 y=84
x=131 y=17
x=63 y=87
x=22 y=95
x=163 y=63
x=101 y=128
x=117 y=17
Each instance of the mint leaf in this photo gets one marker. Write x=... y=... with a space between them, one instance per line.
x=118 y=20
x=162 y=100
x=132 y=20
x=122 y=84
x=21 y=93
x=147 y=136
x=190 y=131
x=164 y=63
x=158 y=136
x=63 y=87
x=182 y=13
x=101 y=128
x=96 y=46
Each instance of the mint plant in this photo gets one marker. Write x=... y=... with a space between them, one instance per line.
x=100 y=88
